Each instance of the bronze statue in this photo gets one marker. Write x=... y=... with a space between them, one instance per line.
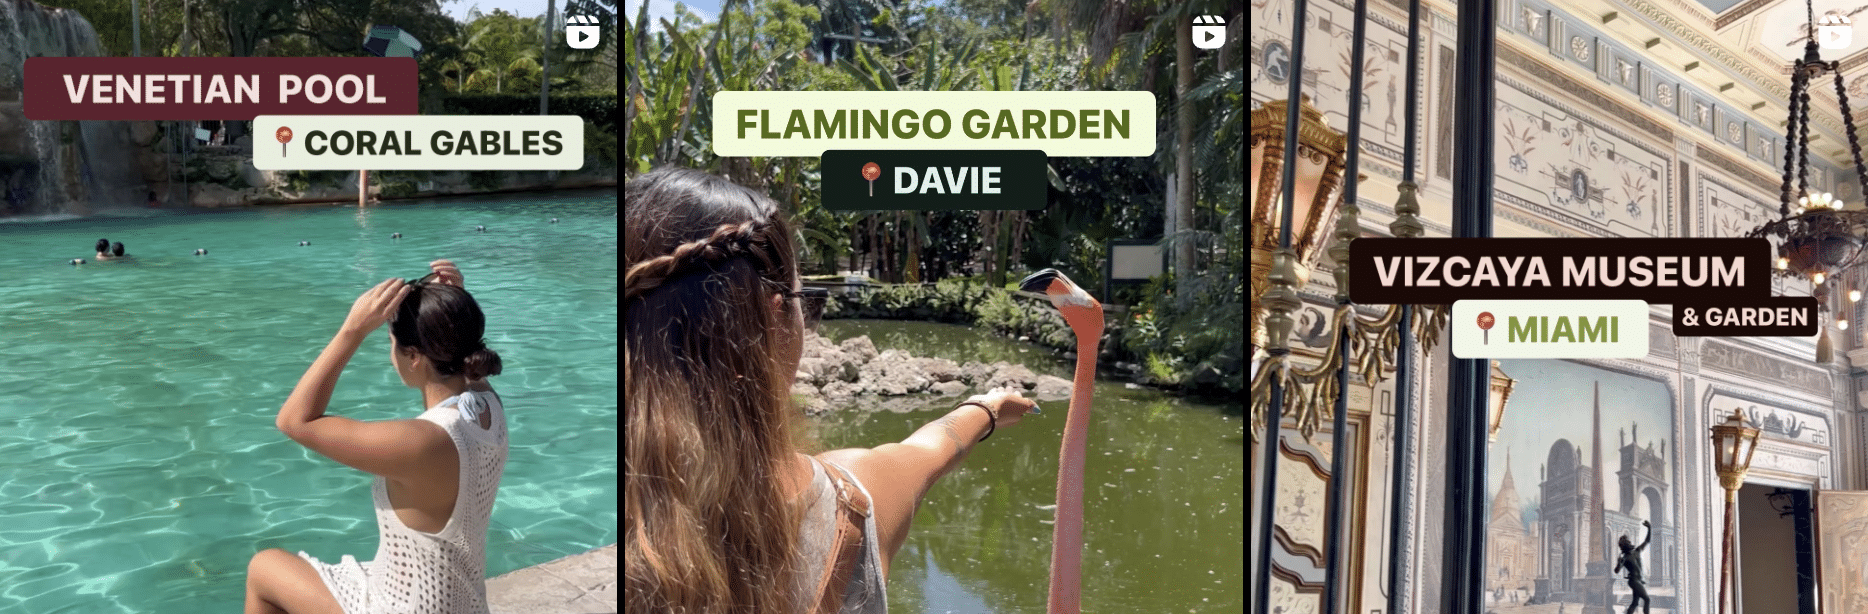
x=1631 y=559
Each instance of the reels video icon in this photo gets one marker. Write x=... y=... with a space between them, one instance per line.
x=582 y=31
x=1209 y=32
x=1834 y=31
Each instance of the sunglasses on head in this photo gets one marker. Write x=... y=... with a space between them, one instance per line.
x=423 y=281
x=811 y=301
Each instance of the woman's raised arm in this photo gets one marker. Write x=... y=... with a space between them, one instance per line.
x=898 y=475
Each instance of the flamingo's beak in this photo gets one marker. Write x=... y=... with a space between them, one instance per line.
x=1062 y=291
x=1041 y=281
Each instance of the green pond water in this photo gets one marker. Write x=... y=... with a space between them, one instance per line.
x=139 y=465
x=1164 y=527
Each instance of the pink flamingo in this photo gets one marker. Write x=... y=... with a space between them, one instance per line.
x=1085 y=317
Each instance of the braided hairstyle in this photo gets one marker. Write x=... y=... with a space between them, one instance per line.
x=707 y=397
x=749 y=239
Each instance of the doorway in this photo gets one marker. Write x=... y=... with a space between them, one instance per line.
x=1775 y=550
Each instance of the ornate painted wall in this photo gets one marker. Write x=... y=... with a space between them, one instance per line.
x=1594 y=138
x=1573 y=438
x=1842 y=552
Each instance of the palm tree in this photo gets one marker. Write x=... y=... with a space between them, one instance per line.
x=463 y=64
x=502 y=41
x=844 y=17
x=1125 y=32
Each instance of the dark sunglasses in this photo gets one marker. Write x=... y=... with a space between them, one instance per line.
x=811 y=301
x=424 y=280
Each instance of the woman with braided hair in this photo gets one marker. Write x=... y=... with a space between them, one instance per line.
x=725 y=513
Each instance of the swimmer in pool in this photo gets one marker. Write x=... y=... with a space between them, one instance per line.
x=116 y=250
x=103 y=249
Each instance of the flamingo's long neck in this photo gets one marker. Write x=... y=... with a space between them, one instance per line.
x=1067 y=534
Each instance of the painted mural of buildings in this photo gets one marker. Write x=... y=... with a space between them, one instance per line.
x=1512 y=549
x=1566 y=555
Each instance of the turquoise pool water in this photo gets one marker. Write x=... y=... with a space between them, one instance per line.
x=139 y=466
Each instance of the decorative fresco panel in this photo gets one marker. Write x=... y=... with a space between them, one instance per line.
x=1286 y=600
x=1327 y=70
x=1733 y=359
x=1575 y=39
x=1842 y=550
x=1571 y=165
x=1303 y=482
x=1773 y=422
x=1727 y=212
x=1583 y=457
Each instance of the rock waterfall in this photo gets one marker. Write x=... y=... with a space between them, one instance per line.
x=50 y=167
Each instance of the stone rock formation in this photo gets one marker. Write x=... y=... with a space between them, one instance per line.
x=854 y=374
x=57 y=166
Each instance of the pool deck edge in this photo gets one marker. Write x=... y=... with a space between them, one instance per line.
x=577 y=584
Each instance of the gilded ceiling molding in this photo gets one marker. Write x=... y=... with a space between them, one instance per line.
x=1739 y=12
x=1709 y=47
x=1849 y=64
x=1767 y=82
x=1767 y=58
x=1692 y=9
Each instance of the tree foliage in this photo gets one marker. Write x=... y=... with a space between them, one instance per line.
x=1191 y=328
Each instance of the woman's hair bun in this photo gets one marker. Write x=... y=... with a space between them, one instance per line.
x=481 y=363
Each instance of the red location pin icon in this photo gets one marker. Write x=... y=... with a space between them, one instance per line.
x=871 y=172
x=285 y=136
x=1485 y=324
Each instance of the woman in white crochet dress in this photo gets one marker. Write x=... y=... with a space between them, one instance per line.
x=436 y=473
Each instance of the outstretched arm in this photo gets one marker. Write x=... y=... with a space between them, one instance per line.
x=899 y=475
x=1645 y=540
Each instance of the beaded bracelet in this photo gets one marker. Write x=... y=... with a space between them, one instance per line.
x=990 y=426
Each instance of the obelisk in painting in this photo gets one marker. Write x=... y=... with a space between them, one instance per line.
x=1598 y=582
x=1598 y=532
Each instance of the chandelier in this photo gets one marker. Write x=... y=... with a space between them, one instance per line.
x=1816 y=237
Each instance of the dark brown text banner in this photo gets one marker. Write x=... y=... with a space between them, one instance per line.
x=1659 y=271
x=216 y=88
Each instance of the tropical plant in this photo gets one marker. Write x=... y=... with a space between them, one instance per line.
x=672 y=68
x=506 y=45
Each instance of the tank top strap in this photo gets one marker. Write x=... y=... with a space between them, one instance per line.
x=846 y=552
x=469 y=406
